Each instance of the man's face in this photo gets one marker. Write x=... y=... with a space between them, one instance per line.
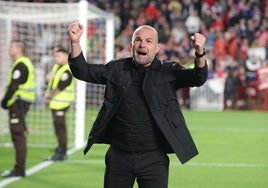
x=13 y=49
x=144 y=46
x=61 y=58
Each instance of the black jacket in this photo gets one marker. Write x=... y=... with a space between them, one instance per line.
x=159 y=86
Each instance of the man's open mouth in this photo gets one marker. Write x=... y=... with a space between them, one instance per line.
x=142 y=53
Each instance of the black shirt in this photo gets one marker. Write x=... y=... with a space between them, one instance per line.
x=133 y=126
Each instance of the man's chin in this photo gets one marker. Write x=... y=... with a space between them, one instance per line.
x=140 y=62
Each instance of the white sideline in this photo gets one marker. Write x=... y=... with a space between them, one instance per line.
x=210 y=164
x=33 y=169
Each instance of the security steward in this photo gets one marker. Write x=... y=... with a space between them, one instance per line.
x=59 y=96
x=18 y=97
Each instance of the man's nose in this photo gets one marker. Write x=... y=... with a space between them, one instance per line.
x=142 y=43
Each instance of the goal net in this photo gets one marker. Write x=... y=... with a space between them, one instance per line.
x=43 y=25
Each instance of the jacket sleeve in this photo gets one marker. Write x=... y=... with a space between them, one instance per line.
x=187 y=77
x=66 y=79
x=84 y=71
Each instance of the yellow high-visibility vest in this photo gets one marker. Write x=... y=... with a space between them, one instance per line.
x=66 y=96
x=26 y=91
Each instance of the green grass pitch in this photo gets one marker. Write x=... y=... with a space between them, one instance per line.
x=233 y=153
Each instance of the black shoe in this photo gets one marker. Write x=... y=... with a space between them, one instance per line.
x=57 y=157
x=12 y=173
x=55 y=150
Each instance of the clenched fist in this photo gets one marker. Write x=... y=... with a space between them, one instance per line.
x=198 y=41
x=75 y=30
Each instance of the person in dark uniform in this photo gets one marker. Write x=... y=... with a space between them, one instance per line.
x=59 y=95
x=19 y=95
x=140 y=118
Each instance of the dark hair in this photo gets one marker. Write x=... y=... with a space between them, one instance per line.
x=20 y=43
x=62 y=49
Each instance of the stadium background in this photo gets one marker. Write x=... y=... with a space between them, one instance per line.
x=237 y=41
x=236 y=34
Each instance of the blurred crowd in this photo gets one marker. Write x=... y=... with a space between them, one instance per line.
x=236 y=39
x=231 y=27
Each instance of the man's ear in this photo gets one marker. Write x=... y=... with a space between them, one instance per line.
x=130 y=45
x=158 y=48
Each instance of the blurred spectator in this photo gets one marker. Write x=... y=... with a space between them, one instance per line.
x=219 y=71
x=231 y=28
x=229 y=89
x=117 y=20
x=125 y=14
x=218 y=24
x=152 y=11
x=170 y=51
x=262 y=35
x=141 y=19
x=211 y=71
x=210 y=38
x=163 y=29
x=193 y=23
x=241 y=88
x=244 y=49
x=242 y=32
x=251 y=30
x=124 y=38
x=220 y=46
x=234 y=42
x=206 y=15
x=178 y=32
x=175 y=13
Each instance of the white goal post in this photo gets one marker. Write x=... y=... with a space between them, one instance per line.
x=43 y=25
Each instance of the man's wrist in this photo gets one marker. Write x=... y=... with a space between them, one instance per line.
x=199 y=55
x=74 y=41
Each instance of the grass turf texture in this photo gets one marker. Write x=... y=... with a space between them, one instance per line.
x=232 y=146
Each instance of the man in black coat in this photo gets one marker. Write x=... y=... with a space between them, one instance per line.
x=140 y=118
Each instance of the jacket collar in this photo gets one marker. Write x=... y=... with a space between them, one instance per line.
x=156 y=64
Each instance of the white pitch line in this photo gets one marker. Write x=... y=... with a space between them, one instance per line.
x=33 y=169
x=230 y=129
x=211 y=164
x=215 y=164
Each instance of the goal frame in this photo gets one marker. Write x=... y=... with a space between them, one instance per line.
x=83 y=12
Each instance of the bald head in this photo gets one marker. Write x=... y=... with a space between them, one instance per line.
x=146 y=27
x=144 y=45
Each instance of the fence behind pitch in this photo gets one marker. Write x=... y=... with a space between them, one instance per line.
x=208 y=97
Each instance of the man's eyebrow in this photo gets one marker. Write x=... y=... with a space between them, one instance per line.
x=137 y=37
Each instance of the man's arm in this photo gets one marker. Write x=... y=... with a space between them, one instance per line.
x=76 y=60
x=75 y=32
x=80 y=68
x=198 y=41
x=19 y=76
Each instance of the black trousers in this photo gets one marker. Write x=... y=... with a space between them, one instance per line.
x=16 y=125
x=149 y=169
x=59 y=122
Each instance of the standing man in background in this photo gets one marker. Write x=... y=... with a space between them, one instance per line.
x=140 y=118
x=59 y=95
x=19 y=95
